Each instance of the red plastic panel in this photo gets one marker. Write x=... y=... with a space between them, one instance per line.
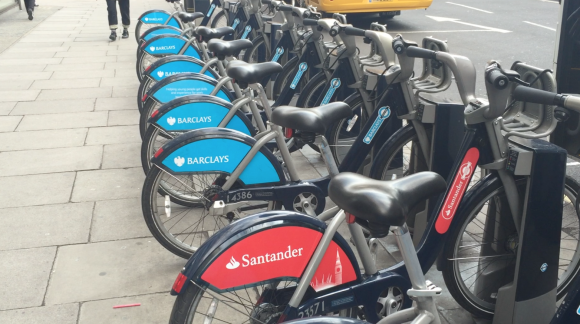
x=273 y=253
x=458 y=188
x=334 y=269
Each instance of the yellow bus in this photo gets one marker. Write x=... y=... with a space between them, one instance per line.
x=386 y=8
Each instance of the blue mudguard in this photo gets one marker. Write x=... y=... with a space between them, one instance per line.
x=199 y=111
x=159 y=30
x=231 y=259
x=164 y=45
x=185 y=84
x=159 y=17
x=176 y=64
x=219 y=150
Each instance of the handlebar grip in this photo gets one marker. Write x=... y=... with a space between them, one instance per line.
x=266 y=2
x=306 y=14
x=532 y=95
x=334 y=30
x=572 y=102
x=284 y=8
x=310 y=22
x=415 y=51
x=398 y=46
x=497 y=78
x=354 y=31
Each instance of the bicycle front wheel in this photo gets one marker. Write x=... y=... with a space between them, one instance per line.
x=475 y=250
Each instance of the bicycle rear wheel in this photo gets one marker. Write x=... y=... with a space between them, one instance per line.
x=469 y=253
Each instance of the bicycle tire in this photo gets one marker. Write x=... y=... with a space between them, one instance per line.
x=139 y=68
x=138 y=27
x=258 y=43
x=288 y=71
x=152 y=196
x=144 y=86
x=218 y=20
x=148 y=108
x=464 y=216
x=312 y=91
x=333 y=134
x=148 y=147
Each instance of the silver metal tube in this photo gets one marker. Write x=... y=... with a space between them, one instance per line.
x=327 y=155
x=316 y=259
x=233 y=111
x=363 y=249
x=409 y=255
x=221 y=82
x=247 y=159
x=402 y=316
x=328 y=214
x=207 y=65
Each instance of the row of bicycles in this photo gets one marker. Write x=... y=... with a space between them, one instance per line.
x=228 y=94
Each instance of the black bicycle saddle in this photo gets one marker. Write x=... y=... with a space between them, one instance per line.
x=222 y=48
x=189 y=17
x=210 y=33
x=383 y=203
x=314 y=120
x=252 y=73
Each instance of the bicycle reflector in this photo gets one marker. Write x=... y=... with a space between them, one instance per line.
x=288 y=132
x=154 y=113
x=144 y=98
x=350 y=219
x=178 y=284
x=159 y=151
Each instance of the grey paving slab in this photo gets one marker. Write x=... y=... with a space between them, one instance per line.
x=89 y=59
x=49 y=225
x=130 y=59
x=111 y=269
x=26 y=272
x=122 y=156
x=15 y=49
x=51 y=160
x=124 y=117
x=27 y=55
x=25 y=76
x=23 y=68
x=19 y=95
x=19 y=141
x=117 y=65
x=154 y=309
x=9 y=123
x=458 y=315
x=33 y=190
x=66 y=83
x=6 y=107
x=108 y=184
x=113 y=135
x=15 y=84
x=26 y=61
x=29 y=46
x=126 y=91
x=90 y=48
x=117 y=220
x=120 y=81
x=79 y=93
x=57 y=75
x=75 y=67
x=53 y=106
x=61 y=314
x=81 y=54
x=65 y=120
x=116 y=103
x=121 y=52
x=98 y=41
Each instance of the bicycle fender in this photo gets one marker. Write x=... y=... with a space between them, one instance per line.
x=199 y=111
x=269 y=246
x=160 y=30
x=166 y=44
x=219 y=150
x=185 y=84
x=158 y=17
x=176 y=64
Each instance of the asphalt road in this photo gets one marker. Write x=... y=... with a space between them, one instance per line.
x=505 y=31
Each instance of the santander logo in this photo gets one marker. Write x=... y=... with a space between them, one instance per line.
x=455 y=193
x=233 y=264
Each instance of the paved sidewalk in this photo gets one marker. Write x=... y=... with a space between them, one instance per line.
x=73 y=242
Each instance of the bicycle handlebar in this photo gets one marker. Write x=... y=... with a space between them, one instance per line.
x=334 y=30
x=266 y=2
x=499 y=80
x=284 y=8
x=354 y=31
x=415 y=51
x=310 y=22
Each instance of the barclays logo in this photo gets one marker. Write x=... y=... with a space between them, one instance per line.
x=209 y=159
x=161 y=48
x=178 y=160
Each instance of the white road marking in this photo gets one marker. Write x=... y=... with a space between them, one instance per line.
x=531 y=23
x=468 y=7
x=454 y=20
x=573 y=163
x=439 y=31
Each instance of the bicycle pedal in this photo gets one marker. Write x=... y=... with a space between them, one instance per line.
x=431 y=291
